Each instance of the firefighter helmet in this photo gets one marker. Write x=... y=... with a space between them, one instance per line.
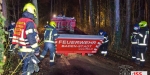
x=101 y=32
x=143 y=24
x=53 y=24
x=29 y=7
x=136 y=27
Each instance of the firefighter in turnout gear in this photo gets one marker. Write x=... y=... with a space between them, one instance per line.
x=143 y=37
x=26 y=39
x=11 y=32
x=134 y=42
x=104 y=46
x=49 y=42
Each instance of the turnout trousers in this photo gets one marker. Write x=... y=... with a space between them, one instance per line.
x=141 y=54
x=134 y=51
x=25 y=57
x=104 y=48
x=51 y=47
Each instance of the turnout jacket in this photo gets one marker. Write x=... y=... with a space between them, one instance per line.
x=134 y=39
x=105 y=37
x=143 y=36
x=50 y=34
x=25 y=33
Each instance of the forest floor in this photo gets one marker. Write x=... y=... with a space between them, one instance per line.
x=76 y=64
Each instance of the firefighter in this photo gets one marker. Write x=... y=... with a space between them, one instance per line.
x=46 y=24
x=61 y=14
x=49 y=42
x=104 y=45
x=143 y=37
x=11 y=32
x=134 y=42
x=26 y=39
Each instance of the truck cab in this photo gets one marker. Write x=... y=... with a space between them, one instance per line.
x=65 y=24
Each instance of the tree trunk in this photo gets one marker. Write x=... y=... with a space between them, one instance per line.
x=117 y=25
x=128 y=11
x=142 y=9
x=4 y=10
x=87 y=12
x=51 y=9
x=81 y=14
x=91 y=16
x=99 y=10
x=36 y=5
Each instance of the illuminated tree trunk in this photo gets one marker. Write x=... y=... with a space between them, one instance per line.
x=91 y=17
x=128 y=11
x=117 y=25
x=87 y=12
x=36 y=5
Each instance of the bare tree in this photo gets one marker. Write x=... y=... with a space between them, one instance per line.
x=128 y=11
x=117 y=25
x=81 y=9
x=92 y=25
x=37 y=19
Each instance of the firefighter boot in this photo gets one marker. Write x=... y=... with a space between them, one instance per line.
x=137 y=62
x=142 y=64
x=133 y=60
x=52 y=64
x=40 y=58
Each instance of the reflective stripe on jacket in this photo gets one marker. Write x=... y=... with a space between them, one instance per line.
x=25 y=34
x=143 y=36
x=50 y=34
x=134 y=39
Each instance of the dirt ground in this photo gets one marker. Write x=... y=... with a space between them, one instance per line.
x=79 y=65
x=85 y=65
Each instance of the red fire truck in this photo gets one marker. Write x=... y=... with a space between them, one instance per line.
x=65 y=23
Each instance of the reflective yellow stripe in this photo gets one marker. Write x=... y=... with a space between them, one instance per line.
x=144 y=38
x=137 y=58
x=15 y=37
x=133 y=57
x=22 y=39
x=14 y=40
x=28 y=73
x=48 y=41
x=103 y=52
x=50 y=37
x=142 y=44
x=55 y=34
x=26 y=50
x=135 y=33
x=29 y=31
x=134 y=42
x=142 y=57
x=41 y=56
x=35 y=30
x=53 y=58
x=141 y=35
x=23 y=43
x=34 y=45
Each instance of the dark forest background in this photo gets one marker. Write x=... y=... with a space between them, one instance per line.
x=116 y=17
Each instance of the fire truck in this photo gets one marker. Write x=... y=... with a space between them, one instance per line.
x=66 y=24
